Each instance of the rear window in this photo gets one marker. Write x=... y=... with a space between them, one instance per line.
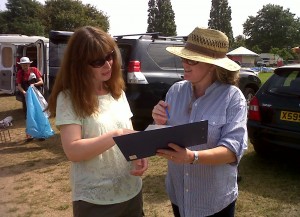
x=285 y=81
x=162 y=57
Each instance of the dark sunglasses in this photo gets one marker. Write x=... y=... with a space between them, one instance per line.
x=100 y=62
x=189 y=62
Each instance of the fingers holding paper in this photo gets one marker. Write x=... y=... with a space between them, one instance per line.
x=176 y=154
x=139 y=167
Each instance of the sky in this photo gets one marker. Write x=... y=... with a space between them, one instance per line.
x=130 y=16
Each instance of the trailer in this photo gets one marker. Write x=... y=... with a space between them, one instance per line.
x=12 y=48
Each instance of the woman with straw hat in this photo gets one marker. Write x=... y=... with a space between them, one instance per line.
x=202 y=179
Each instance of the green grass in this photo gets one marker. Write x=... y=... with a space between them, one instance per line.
x=264 y=76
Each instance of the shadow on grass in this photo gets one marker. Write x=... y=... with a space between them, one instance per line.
x=21 y=157
x=29 y=165
x=275 y=176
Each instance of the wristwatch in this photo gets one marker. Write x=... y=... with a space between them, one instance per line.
x=196 y=157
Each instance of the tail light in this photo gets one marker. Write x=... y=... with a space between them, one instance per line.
x=134 y=74
x=134 y=66
x=253 y=112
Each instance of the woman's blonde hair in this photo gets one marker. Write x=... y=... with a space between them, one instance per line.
x=74 y=76
x=227 y=77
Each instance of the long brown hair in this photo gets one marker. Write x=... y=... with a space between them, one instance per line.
x=74 y=78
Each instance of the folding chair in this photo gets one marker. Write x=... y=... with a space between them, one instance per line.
x=4 y=134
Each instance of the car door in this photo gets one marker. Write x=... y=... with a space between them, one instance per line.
x=7 y=68
x=37 y=52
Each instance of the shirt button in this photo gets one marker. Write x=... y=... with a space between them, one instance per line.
x=187 y=174
x=196 y=104
x=187 y=190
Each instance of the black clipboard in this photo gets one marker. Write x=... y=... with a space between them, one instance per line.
x=145 y=143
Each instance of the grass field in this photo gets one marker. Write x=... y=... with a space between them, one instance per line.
x=264 y=76
x=34 y=178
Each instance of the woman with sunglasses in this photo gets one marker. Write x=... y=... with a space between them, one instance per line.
x=91 y=108
x=202 y=179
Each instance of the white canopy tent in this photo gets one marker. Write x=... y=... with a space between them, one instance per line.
x=245 y=56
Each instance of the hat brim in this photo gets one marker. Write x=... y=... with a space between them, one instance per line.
x=224 y=62
x=25 y=62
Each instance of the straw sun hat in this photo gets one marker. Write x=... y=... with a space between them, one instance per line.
x=208 y=46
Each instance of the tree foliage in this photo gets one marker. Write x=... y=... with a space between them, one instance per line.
x=22 y=17
x=272 y=27
x=30 y=17
x=220 y=18
x=239 y=41
x=161 y=17
x=67 y=15
x=152 y=19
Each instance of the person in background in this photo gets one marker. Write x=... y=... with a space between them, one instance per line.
x=202 y=180
x=90 y=106
x=27 y=76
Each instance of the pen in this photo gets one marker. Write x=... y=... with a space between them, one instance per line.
x=167 y=113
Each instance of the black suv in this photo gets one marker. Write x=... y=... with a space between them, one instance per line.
x=148 y=70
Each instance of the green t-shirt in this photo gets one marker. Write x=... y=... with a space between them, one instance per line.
x=104 y=179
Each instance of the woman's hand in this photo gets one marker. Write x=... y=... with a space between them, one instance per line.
x=176 y=154
x=159 y=113
x=139 y=167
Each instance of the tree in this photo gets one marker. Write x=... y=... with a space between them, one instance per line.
x=266 y=32
x=161 y=17
x=220 y=18
x=22 y=17
x=152 y=19
x=67 y=15
x=256 y=49
x=29 y=17
x=239 y=41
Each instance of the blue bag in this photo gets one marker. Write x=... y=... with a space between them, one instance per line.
x=37 y=123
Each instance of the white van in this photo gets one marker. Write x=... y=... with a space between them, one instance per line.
x=12 y=48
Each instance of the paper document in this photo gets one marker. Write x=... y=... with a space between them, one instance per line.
x=145 y=143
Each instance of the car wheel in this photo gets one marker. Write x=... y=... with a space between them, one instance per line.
x=249 y=93
x=262 y=150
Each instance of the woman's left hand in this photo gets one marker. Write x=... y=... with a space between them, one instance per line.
x=139 y=167
x=176 y=154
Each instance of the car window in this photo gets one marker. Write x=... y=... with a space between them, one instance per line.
x=161 y=56
x=285 y=82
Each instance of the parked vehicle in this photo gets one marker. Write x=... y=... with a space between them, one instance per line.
x=12 y=48
x=249 y=83
x=148 y=70
x=274 y=111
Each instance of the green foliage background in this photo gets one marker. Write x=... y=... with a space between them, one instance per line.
x=29 y=17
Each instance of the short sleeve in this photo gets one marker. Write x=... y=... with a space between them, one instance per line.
x=64 y=111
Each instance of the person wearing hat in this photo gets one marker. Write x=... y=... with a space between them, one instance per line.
x=27 y=76
x=202 y=180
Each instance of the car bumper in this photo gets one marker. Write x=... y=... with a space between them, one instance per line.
x=260 y=134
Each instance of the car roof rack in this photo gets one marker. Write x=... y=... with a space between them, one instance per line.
x=153 y=36
x=142 y=35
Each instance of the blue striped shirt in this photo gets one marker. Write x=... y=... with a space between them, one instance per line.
x=202 y=190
